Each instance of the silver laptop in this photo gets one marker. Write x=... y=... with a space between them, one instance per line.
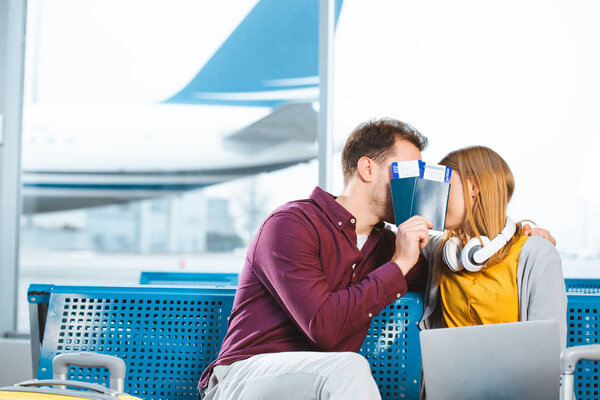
x=500 y=361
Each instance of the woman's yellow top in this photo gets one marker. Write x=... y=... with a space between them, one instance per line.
x=489 y=296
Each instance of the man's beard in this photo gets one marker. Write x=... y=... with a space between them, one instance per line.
x=382 y=201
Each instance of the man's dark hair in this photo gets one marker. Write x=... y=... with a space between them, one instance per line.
x=374 y=139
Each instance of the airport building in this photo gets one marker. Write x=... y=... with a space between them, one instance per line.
x=144 y=144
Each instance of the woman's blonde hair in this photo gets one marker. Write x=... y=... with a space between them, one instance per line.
x=488 y=172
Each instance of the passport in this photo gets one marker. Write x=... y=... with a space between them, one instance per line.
x=417 y=196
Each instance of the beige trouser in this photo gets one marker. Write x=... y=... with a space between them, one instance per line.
x=294 y=376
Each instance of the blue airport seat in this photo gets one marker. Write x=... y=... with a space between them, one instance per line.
x=207 y=279
x=582 y=286
x=393 y=349
x=166 y=335
x=583 y=327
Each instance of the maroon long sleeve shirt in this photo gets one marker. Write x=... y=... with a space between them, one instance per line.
x=305 y=286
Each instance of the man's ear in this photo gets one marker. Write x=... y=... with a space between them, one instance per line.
x=365 y=168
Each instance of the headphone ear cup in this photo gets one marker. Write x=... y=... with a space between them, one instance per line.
x=451 y=254
x=466 y=256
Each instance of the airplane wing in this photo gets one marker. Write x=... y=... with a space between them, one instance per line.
x=293 y=122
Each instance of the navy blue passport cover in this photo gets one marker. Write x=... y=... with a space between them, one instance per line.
x=417 y=196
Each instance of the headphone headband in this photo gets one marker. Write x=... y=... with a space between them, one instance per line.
x=487 y=251
x=473 y=255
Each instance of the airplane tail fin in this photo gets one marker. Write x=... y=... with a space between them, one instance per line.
x=269 y=59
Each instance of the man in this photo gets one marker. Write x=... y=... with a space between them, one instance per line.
x=316 y=273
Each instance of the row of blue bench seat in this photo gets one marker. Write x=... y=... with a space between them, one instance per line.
x=168 y=335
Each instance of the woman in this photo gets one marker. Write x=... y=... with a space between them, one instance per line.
x=518 y=280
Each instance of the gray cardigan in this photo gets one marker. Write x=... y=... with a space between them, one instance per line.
x=540 y=283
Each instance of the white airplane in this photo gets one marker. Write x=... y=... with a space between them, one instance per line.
x=250 y=109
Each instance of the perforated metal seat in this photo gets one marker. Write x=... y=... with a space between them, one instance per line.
x=166 y=336
x=583 y=328
x=393 y=349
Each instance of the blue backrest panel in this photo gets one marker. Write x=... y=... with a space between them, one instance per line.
x=166 y=336
x=583 y=328
x=393 y=349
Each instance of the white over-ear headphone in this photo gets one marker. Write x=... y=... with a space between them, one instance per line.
x=473 y=255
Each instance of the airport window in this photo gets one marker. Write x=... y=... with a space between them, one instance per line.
x=519 y=77
x=158 y=144
x=149 y=124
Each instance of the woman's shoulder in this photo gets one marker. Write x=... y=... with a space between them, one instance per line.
x=538 y=244
x=538 y=251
